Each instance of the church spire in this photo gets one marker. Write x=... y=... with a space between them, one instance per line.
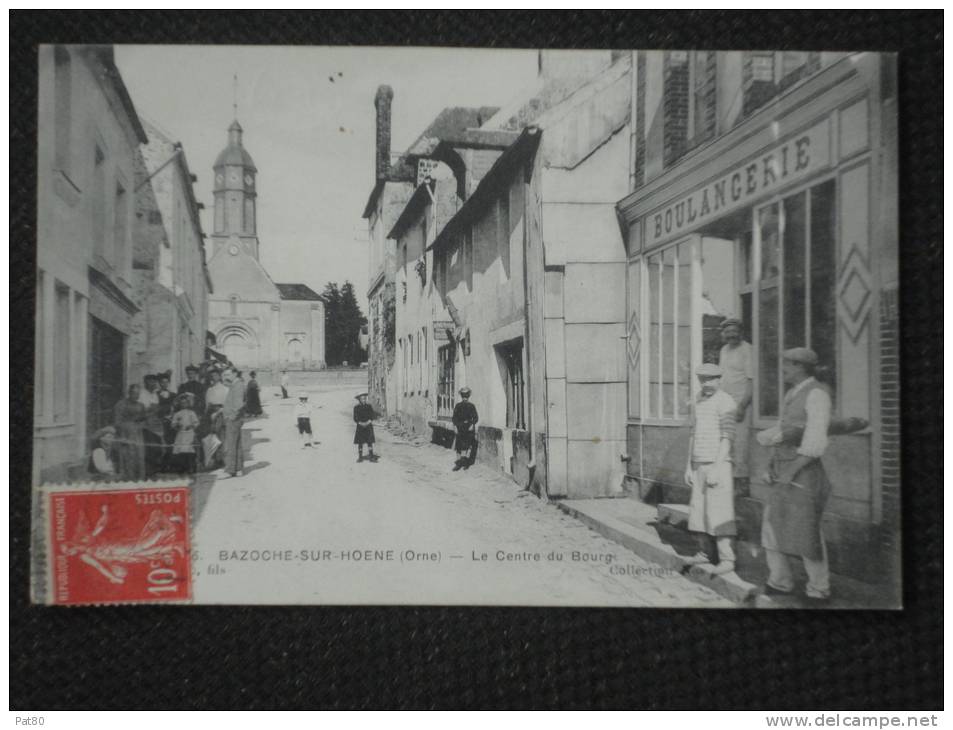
x=235 y=130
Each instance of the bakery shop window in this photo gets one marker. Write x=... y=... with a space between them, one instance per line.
x=787 y=275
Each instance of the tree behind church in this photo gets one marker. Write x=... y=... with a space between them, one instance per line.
x=343 y=323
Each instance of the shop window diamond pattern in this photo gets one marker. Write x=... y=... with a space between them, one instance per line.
x=854 y=292
x=633 y=339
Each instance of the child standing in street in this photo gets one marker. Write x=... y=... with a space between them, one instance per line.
x=303 y=414
x=364 y=431
x=184 y=423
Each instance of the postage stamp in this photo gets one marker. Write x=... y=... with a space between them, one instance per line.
x=119 y=545
x=467 y=326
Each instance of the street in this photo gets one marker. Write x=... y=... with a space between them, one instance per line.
x=311 y=525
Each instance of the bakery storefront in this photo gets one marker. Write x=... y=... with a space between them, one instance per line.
x=778 y=222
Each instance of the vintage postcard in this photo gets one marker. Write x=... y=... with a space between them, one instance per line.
x=352 y=325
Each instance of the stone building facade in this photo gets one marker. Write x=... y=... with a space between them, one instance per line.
x=171 y=283
x=532 y=268
x=764 y=187
x=88 y=134
x=395 y=180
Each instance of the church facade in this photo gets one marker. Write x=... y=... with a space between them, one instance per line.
x=257 y=323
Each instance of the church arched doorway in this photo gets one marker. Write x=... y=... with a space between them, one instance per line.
x=239 y=347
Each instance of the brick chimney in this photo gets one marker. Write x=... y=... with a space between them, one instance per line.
x=382 y=102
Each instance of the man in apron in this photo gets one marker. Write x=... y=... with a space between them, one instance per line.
x=737 y=365
x=708 y=472
x=798 y=483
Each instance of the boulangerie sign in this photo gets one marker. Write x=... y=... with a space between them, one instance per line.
x=795 y=159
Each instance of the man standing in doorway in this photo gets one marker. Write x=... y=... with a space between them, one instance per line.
x=799 y=487
x=465 y=419
x=737 y=380
x=233 y=413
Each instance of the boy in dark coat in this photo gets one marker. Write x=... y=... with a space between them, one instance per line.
x=364 y=431
x=465 y=419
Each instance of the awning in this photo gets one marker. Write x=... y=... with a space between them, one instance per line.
x=211 y=354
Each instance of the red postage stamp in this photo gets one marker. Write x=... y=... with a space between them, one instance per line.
x=120 y=546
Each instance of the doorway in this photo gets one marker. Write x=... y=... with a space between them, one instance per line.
x=107 y=347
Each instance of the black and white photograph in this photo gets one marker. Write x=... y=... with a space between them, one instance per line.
x=364 y=325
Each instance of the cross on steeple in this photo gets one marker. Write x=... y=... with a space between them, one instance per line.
x=235 y=96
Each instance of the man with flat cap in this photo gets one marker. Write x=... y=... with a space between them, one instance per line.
x=737 y=380
x=465 y=419
x=708 y=472
x=798 y=484
x=364 y=430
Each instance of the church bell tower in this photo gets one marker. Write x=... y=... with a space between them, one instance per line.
x=235 y=224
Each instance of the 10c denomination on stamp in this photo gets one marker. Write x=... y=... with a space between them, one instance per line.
x=120 y=546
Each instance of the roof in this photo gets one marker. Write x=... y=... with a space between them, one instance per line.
x=298 y=292
x=235 y=152
x=524 y=146
x=452 y=122
x=107 y=58
x=412 y=210
x=546 y=93
x=478 y=139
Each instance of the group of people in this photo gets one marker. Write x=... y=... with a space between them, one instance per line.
x=717 y=465
x=156 y=430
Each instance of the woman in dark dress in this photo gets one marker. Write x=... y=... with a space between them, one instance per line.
x=253 y=396
x=130 y=416
x=364 y=431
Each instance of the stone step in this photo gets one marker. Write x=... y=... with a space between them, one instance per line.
x=633 y=525
x=673 y=514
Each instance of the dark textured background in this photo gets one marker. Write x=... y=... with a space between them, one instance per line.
x=210 y=657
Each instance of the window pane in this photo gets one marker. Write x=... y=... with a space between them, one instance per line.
x=823 y=272
x=701 y=101
x=39 y=379
x=746 y=252
x=746 y=316
x=61 y=353
x=668 y=333
x=62 y=106
x=768 y=352
x=655 y=273
x=770 y=241
x=795 y=289
x=684 y=332
x=98 y=203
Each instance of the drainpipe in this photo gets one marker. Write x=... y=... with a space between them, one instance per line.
x=431 y=231
x=526 y=315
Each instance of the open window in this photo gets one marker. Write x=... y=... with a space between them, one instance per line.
x=510 y=356
x=446 y=355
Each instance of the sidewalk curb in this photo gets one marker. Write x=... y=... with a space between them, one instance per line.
x=644 y=542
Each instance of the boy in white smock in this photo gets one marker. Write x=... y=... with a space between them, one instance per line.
x=708 y=472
